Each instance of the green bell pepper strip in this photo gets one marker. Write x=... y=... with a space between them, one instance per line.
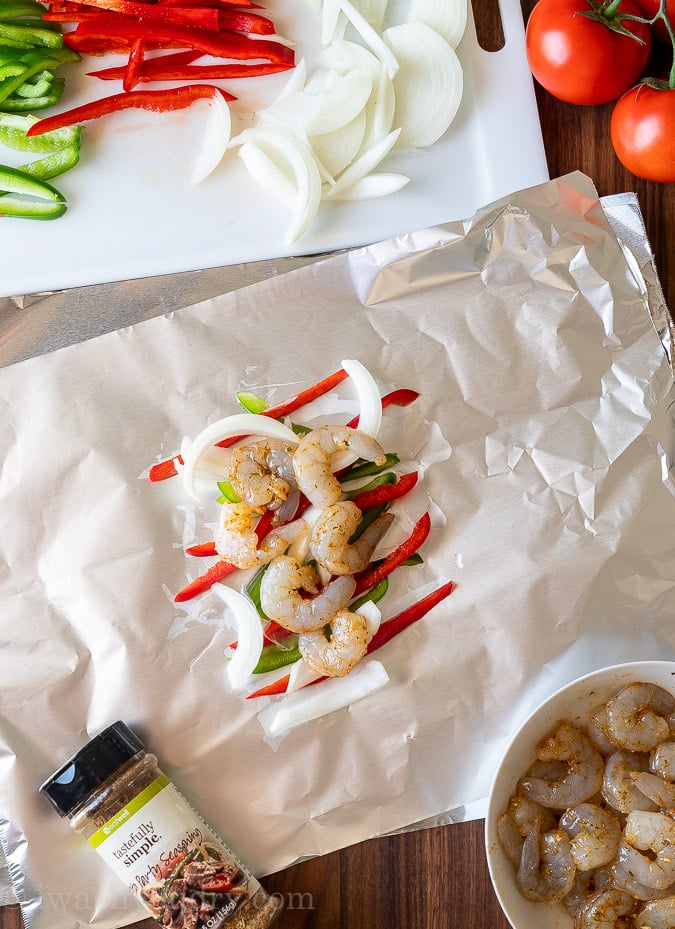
x=36 y=199
x=60 y=147
x=26 y=35
x=38 y=86
x=16 y=104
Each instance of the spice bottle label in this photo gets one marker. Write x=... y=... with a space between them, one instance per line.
x=171 y=860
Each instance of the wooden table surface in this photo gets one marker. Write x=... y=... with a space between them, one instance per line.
x=438 y=877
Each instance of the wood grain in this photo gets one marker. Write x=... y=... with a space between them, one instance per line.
x=438 y=877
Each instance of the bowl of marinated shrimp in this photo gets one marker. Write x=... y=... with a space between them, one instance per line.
x=580 y=827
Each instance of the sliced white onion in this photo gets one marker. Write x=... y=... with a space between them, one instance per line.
x=372 y=615
x=341 y=103
x=300 y=676
x=371 y=37
x=447 y=18
x=328 y=696
x=372 y=186
x=380 y=109
x=238 y=424
x=267 y=173
x=216 y=138
x=428 y=85
x=290 y=152
x=373 y=11
x=336 y=150
x=363 y=165
x=330 y=14
x=370 y=402
x=249 y=635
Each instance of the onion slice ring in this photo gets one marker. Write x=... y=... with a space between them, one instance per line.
x=370 y=401
x=250 y=637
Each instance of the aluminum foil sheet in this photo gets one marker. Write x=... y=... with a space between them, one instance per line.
x=537 y=335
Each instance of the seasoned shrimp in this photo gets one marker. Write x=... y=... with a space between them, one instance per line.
x=657 y=914
x=662 y=760
x=312 y=461
x=604 y=909
x=331 y=533
x=583 y=772
x=546 y=871
x=660 y=791
x=237 y=542
x=282 y=601
x=597 y=731
x=618 y=786
x=336 y=656
x=595 y=834
x=637 y=716
x=262 y=475
x=521 y=817
x=653 y=833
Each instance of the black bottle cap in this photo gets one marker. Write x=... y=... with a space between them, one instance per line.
x=88 y=768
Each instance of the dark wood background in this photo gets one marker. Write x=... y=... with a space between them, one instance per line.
x=437 y=878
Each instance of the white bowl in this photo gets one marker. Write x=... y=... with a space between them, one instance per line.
x=571 y=703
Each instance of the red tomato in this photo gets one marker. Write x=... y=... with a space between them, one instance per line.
x=581 y=60
x=643 y=132
x=649 y=9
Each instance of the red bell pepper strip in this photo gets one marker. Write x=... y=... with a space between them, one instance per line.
x=249 y=4
x=403 y=396
x=198 y=17
x=220 y=44
x=154 y=69
x=387 y=631
x=134 y=65
x=164 y=469
x=385 y=493
x=221 y=569
x=249 y=23
x=407 y=617
x=203 y=550
x=217 y=572
x=159 y=100
x=374 y=575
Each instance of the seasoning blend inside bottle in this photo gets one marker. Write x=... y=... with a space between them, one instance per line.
x=116 y=796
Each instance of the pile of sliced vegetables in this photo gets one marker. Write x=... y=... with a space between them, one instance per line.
x=266 y=658
x=377 y=88
x=30 y=53
x=383 y=83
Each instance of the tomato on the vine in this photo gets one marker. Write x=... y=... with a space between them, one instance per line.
x=578 y=53
x=642 y=128
x=649 y=9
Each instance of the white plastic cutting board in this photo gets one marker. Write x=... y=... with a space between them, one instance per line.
x=133 y=213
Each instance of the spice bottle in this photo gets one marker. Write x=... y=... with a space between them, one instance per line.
x=116 y=796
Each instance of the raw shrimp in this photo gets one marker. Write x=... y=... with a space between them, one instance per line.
x=521 y=817
x=595 y=834
x=312 y=461
x=597 y=731
x=604 y=909
x=331 y=533
x=657 y=914
x=660 y=791
x=662 y=760
x=618 y=786
x=583 y=774
x=336 y=656
x=282 y=601
x=262 y=475
x=646 y=876
x=237 y=542
x=546 y=871
x=637 y=716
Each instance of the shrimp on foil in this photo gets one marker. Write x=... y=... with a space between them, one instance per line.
x=262 y=476
x=237 y=542
x=335 y=654
x=281 y=597
x=313 y=460
x=331 y=540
